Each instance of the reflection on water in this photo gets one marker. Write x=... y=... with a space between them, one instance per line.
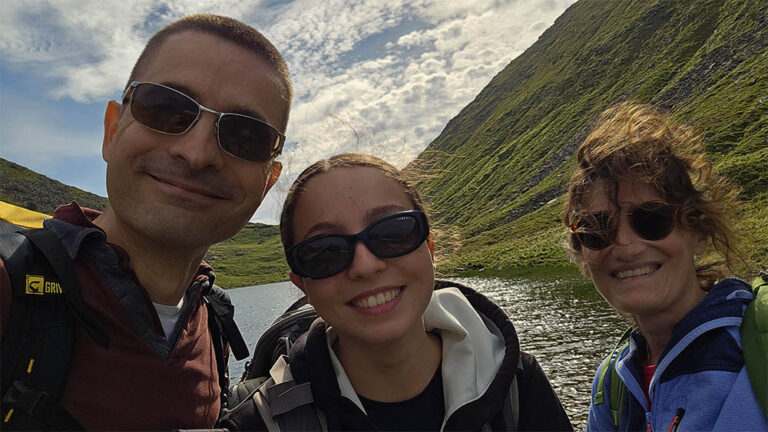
x=563 y=321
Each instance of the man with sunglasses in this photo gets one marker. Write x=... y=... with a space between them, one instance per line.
x=190 y=153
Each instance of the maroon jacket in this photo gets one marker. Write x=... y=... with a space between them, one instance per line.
x=142 y=381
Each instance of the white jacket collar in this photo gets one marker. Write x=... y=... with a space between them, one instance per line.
x=473 y=350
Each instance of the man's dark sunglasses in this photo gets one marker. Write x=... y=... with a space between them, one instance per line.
x=170 y=111
x=328 y=254
x=652 y=220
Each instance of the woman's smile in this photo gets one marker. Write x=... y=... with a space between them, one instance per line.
x=635 y=271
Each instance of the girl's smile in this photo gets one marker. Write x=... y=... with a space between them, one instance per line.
x=377 y=301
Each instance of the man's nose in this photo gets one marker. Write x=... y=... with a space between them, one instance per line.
x=200 y=146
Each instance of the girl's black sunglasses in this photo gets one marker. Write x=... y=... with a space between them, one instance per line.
x=167 y=110
x=652 y=220
x=328 y=254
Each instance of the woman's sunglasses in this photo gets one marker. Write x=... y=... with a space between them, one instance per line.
x=329 y=254
x=652 y=220
x=167 y=110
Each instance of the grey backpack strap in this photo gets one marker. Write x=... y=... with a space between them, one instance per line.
x=514 y=404
x=511 y=409
x=285 y=405
x=262 y=405
x=288 y=396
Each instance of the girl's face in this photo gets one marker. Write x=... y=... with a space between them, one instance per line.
x=375 y=299
x=644 y=278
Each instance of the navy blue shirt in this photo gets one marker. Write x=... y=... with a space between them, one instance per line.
x=424 y=412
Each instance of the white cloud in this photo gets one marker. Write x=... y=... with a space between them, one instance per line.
x=399 y=105
x=429 y=59
x=89 y=46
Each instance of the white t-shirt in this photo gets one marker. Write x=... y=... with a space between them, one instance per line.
x=169 y=317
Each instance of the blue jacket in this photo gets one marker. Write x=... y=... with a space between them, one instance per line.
x=700 y=373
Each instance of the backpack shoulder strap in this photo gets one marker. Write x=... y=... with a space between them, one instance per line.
x=37 y=341
x=221 y=324
x=51 y=248
x=15 y=251
x=224 y=311
x=514 y=405
x=511 y=408
x=617 y=386
x=285 y=405
x=754 y=337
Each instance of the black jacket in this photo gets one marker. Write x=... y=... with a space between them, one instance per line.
x=539 y=407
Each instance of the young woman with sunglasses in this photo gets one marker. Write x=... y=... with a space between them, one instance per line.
x=641 y=208
x=392 y=349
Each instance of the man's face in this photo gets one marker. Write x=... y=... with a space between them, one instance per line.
x=183 y=189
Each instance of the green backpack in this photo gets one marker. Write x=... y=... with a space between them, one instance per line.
x=754 y=341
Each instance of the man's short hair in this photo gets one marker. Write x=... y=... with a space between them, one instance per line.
x=226 y=28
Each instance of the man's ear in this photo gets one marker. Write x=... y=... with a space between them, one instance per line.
x=274 y=174
x=298 y=281
x=431 y=245
x=111 y=120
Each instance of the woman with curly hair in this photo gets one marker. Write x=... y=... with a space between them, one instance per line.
x=642 y=208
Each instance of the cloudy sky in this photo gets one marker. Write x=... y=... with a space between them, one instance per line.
x=374 y=76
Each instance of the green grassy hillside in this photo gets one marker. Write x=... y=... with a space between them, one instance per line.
x=25 y=188
x=254 y=256
x=498 y=170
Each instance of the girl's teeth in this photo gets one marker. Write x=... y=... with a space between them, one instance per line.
x=378 y=299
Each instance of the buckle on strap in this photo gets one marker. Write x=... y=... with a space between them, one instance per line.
x=26 y=398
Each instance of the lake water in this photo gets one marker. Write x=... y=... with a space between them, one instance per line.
x=561 y=320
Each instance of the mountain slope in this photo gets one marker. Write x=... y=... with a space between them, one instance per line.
x=498 y=170
x=25 y=188
x=253 y=256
